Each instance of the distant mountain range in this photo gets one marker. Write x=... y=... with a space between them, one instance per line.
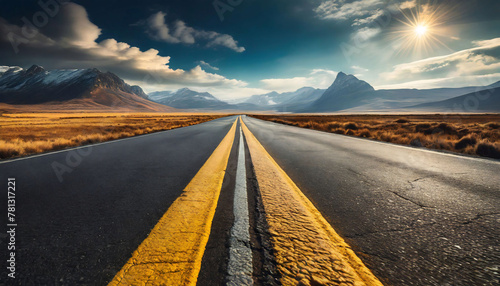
x=91 y=89
x=479 y=101
x=82 y=89
x=347 y=93
x=286 y=101
x=188 y=99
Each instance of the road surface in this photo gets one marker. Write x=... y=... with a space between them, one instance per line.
x=82 y=230
x=413 y=216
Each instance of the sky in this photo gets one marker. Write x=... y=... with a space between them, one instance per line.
x=237 y=48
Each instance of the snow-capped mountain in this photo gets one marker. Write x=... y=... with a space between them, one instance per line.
x=89 y=88
x=188 y=99
x=266 y=99
x=286 y=100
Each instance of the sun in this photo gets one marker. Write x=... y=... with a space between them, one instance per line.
x=420 y=30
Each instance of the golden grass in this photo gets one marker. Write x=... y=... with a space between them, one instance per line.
x=23 y=134
x=475 y=134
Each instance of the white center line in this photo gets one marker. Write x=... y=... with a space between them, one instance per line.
x=240 y=255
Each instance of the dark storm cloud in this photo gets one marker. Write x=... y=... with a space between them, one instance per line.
x=69 y=40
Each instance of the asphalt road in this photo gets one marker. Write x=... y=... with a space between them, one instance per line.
x=83 y=229
x=415 y=217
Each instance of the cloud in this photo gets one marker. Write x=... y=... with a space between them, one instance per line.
x=364 y=15
x=340 y=10
x=72 y=27
x=370 y=19
x=70 y=41
x=205 y=64
x=317 y=78
x=179 y=32
x=408 y=5
x=475 y=63
x=359 y=69
x=366 y=33
x=459 y=81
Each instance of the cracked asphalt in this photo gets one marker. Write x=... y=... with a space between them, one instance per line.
x=415 y=217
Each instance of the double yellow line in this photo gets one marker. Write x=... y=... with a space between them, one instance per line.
x=308 y=251
x=172 y=253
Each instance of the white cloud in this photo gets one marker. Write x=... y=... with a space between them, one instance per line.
x=359 y=69
x=179 y=32
x=408 y=4
x=495 y=42
x=205 y=64
x=73 y=44
x=469 y=64
x=368 y=20
x=317 y=78
x=362 y=14
x=285 y=84
x=459 y=81
x=340 y=10
x=365 y=33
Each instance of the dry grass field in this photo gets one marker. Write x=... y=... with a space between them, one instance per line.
x=30 y=133
x=475 y=134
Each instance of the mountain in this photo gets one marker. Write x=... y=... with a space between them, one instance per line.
x=286 y=100
x=347 y=93
x=487 y=100
x=263 y=99
x=85 y=89
x=189 y=99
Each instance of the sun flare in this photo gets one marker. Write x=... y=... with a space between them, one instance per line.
x=422 y=28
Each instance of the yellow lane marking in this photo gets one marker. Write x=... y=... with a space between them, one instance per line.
x=308 y=250
x=172 y=253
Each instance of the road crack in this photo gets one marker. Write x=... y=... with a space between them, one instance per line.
x=409 y=200
x=479 y=216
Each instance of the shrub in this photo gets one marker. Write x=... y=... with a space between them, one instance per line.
x=462 y=132
x=365 y=133
x=351 y=126
x=333 y=125
x=422 y=127
x=446 y=129
x=493 y=125
x=339 y=131
x=401 y=120
x=464 y=142
x=487 y=149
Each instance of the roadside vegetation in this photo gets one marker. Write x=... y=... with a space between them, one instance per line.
x=23 y=134
x=474 y=134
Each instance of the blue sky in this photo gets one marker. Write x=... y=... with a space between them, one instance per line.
x=246 y=47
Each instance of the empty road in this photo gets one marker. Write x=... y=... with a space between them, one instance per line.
x=414 y=217
x=82 y=230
